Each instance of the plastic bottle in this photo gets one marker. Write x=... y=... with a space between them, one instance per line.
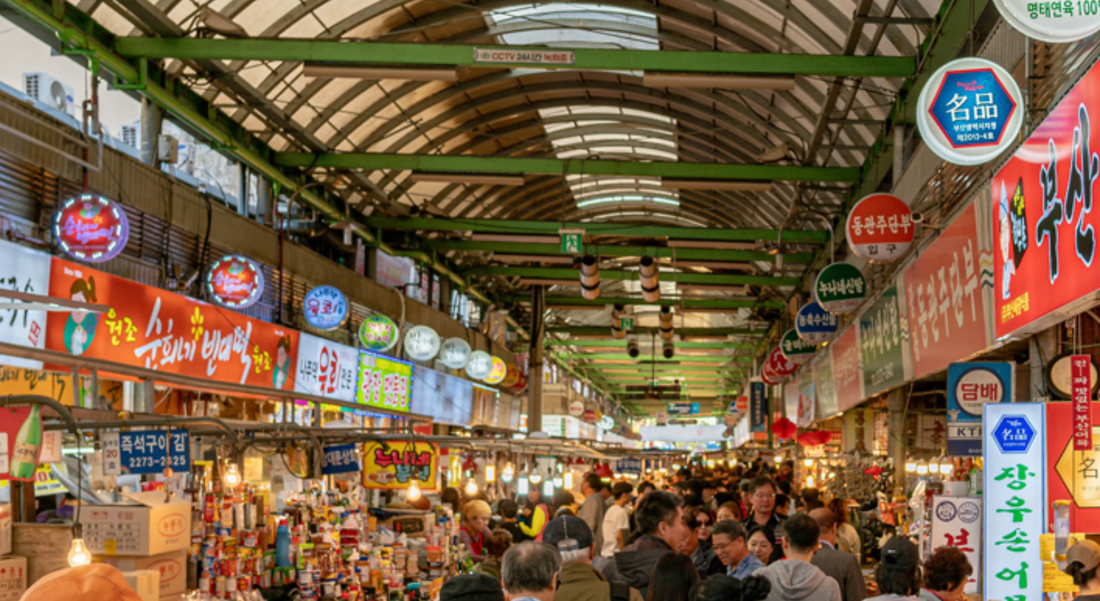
x=282 y=545
x=28 y=443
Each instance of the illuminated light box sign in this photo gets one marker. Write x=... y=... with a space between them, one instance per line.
x=325 y=308
x=814 y=324
x=840 y=288
x=496 y=375
x=235 y=281
x=795 y=349
x=1053 y=22
x=378 y=333
x=384 y=382
x=145 y=452
x=395 y=464
x=969 y=387
x=880 y=227
x=91 y=228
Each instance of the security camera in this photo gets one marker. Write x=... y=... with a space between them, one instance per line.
x=917 y=217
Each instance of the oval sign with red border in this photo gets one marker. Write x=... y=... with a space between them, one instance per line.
x=235 y=281
x=91 y=228
x=779 y=364
x=880 y=227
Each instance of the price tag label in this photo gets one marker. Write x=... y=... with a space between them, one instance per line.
x=110 y=546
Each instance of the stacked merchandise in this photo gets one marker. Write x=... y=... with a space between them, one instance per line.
x=13 y=569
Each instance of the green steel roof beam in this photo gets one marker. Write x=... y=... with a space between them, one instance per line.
x=550 y=166
x=605 y=331
x=645 y=369
x=443 y=55
x=687 y=303
x=550 y=228
x=622 y=344
x=621 y=275
x=606 y=250
x=77 y=31
x=624 y=357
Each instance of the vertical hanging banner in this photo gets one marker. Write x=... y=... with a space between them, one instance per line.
x=969 y=387
x=884 y=344
x=758 y=407
x=825 y=384
x=1081 y=372
x=1015 y=499
x=957 y=522
x=943 y=289
x=848 y=368
x=1044 y=229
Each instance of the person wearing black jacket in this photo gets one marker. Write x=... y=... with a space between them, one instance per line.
x=661 y=530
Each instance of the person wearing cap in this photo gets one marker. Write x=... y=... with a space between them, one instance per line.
x=836 y=564
x=471 y=587
x=475 y=528
x=529 y=572
x=898 y=574
x=578 y=580
x=1082 y=559
x=795 y=578
x=945 y=575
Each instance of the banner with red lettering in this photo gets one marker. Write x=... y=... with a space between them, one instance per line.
x=1081 y=372
x=943 y=287
x=1044 y=230
x=847 y=368
x=156 y=329
x=394 y=465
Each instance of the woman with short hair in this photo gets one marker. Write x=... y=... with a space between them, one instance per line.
x=945 y=575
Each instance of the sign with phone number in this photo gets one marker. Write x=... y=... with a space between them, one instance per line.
x=145 y=452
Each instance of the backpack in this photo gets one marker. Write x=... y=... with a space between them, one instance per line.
x=620 y=591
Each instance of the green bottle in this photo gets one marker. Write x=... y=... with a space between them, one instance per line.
x=28 y=443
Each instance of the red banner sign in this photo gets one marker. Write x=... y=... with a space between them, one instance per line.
x=943 y=287
x=91 y=228
x=1081 y=372
x=235 y=281
x=155 y=329
x=847 y=369
x=1043 y=225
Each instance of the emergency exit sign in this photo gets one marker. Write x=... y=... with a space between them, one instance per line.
x=626 y=323
x=572 y=241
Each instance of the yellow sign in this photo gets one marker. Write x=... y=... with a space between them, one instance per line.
x=394 y=465
x=56 y=385
x=500 y=369
x=1080 y=471
x=1055 y=580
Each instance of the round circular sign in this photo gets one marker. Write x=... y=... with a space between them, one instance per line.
x=795 y=349
x=769 y=377
x=326 y=308
x=742 y=403
x=662 y=418
x=1059 y=376
x=576 y=408
x=498 y=371
x=235 y=281
x=605 y=423
x=454 y=353
x=840 y=288
x=1051 y=23
x=880 y=227
x=970 y=111
x=976 y=387
x=779 y=364
x=421 y=343
x=378 y=333
x=91 y=228
x=814 y=324
x=480 y=365
x=591 y=416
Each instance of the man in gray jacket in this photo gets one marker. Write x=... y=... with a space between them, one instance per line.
x=593 y=509
x=796 y=579
x=836 y=564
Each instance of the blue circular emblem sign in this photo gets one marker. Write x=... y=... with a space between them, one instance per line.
x=326 y=308
x=814 y=324
x=969 y=111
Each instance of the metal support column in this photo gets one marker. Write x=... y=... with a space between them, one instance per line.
x=152 y=118
x=897 y=448
x=264 y=212
x=242 y=189
x=534 y=376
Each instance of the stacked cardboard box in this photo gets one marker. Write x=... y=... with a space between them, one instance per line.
x=154 y=534
x=13 y=569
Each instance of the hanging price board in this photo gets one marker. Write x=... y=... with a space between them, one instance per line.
x=146 y=452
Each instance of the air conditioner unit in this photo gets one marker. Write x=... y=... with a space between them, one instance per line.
x=131 y=135
x=48 y=90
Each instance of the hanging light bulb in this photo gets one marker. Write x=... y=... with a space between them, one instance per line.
x=809 y=481
x=78 y=553
x=507 y=474
x=922 y=469
x=232 y=477
x=733 y=462
x=779 y=459
x=933 y=467
x=947 y=468
x=548 y=488
x=490 y=473
x=710 y=463
x=414 y=491
x=471 y=487
x=558 y=482
x=522 y=486
x=808 y=462
x=910 y=467
x=535 y=478
x=567 y=480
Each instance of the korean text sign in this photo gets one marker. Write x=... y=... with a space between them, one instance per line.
x=883 y=343
x=395 y=464
x=384 y=382
x=1043 y=225
x=1015 y=499
x=27 y=271
x=957 y=522
x=1081 y=372
x=847 y=368
x=1073 y=475
x=155 y=329
x=326 y=368
x=946 y=313
x=340 y=459
x=969 y=387
x=145 y=452
x=758 y=407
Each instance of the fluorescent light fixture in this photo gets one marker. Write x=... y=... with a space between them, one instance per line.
x=722 y=185
x=626 y=200
x=322 y=70
x=521 y=238
x=469 y=178
x=506 y=258
x=715 y=81
x=713 y=244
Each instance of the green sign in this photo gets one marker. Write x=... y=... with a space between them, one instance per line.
x=883 y=340
x=825 y=385
x=378 y=333
x=572 y=242
x=795 y=349
x=384 y=382
x=626 y=323
x=840 y=288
